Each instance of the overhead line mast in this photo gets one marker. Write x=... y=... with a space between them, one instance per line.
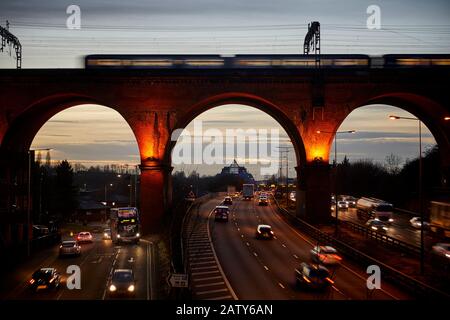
x=9 y=39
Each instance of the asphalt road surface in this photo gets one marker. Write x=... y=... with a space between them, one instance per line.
x=96 y=262
x=264 y=269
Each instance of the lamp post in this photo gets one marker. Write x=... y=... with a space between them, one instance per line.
x=106 y=192
x=29 y=228
x=422 y=249
x=336 y=208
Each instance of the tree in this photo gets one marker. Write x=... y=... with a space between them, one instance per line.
x=48 y=160
x=393 y=164
x=65 y=192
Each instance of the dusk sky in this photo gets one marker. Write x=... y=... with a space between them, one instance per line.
x=223 y=27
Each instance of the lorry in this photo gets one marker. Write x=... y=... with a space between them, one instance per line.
x=440 y=218
x=231 y=191
x=248 y=190
x=375 y=209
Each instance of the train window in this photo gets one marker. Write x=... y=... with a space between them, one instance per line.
x=204 y=62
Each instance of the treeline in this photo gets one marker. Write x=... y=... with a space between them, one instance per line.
x=391 y=181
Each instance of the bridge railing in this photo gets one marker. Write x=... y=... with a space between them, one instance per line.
x=419 y=288
x=382 y=238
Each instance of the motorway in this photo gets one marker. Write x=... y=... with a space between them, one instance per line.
x=264 y=269
x=96 y=262
x=400 y=229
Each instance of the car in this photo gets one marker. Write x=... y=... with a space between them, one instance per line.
x=84 y=236
x=416 y=223
x=342 y=205
x=263 y=201
x=69 y=248
x=377 y=225
x=325 y=255
x=264 y=231
x=227 y=201
x=45 y=278
x=221 y=213
x=107 y=234
x=122 y=283
x=442 y=250
x=313 y=276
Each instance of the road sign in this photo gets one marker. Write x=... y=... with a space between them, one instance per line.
x=178 y=280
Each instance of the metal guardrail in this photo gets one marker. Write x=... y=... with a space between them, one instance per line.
x=382 y=238
x=419 y=288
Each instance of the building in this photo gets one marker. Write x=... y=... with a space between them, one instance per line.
x=235 y=169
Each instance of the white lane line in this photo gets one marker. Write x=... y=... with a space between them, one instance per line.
x=220 y=298
x=217 y=259
x=255 y=254
x=211 y=291
x=283 y=245
x=281 y=285
x=312 y=244
x=295 y=256
x=275 y=237
x=204 y=272
x=265 y=267
x=205 y=268
x=200 y=263
x=248 y=244
x=209 y=284
x=206 y=278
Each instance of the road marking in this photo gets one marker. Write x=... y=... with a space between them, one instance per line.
x=207 y=278
x=211 y=291
x=204 y=272
x=281 y=285
x=220 y=298
x=265 y=267
x=204 y=262
x=248 y=244
x=255 y=254
x=239 y=229
x=283 y=245
x=204 y=268
x=312 y=244
x=242 y=235
x=295 y=256
x=209 y=284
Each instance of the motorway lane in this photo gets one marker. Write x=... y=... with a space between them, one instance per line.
x=96 y=262
x=350 y=279
x=259 y=269
x=400 y=229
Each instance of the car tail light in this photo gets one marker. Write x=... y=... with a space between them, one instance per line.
x=31 y=281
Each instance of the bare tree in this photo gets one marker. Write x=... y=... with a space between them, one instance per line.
x=393 y=163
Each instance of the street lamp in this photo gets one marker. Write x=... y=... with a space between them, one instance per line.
x=422 y=249
x=29 y=228
x=335 y=166
x=106 y=190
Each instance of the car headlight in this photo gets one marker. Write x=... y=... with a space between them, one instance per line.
x=105 y=234
x=374 y=228
x=385 y=228
x=447 y=255
x=391 y=220
x=112 y=288
x=131 y=288
x=138 y=235
x=118 y=236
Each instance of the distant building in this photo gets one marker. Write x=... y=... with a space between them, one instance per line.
x=235 y=169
